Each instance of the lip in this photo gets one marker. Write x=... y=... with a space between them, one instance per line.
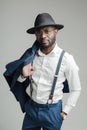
x=44 y=41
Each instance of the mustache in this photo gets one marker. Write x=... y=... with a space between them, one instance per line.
x=43 y=39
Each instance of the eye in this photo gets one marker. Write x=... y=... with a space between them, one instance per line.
x=46 y=31
x=38 y=32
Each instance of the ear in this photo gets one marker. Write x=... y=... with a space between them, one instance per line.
x=56 y=31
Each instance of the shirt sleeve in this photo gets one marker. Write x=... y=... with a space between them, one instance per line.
x=72 y=75
x=21 y=79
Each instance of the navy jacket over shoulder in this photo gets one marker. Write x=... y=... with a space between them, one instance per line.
x=13 y=70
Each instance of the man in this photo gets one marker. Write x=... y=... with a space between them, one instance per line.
x=42 y=110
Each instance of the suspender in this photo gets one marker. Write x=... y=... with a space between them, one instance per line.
x=55 y=77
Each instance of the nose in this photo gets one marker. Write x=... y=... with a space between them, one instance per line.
x=43 y=34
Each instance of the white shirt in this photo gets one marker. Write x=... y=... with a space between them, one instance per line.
x=45 y=66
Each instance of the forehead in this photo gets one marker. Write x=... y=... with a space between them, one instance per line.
x=46 y=28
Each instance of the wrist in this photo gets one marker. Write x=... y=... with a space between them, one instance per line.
x=64 y=115
x=22 y=76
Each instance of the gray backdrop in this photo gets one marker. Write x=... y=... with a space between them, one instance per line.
x=16 y=16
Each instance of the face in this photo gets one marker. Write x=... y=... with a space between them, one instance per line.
x=46 y=36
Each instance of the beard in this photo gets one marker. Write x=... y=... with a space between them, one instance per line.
x=46 y=43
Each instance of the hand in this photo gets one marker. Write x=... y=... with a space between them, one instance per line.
x=27 y=70
x=64 y=115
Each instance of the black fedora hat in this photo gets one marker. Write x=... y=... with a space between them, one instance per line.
x=44 y=19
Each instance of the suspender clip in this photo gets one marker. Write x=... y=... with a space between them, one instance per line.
x=50 y=100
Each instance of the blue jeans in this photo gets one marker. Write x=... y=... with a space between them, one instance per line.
x=45 y=116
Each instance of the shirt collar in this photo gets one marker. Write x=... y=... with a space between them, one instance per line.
x=55 y=51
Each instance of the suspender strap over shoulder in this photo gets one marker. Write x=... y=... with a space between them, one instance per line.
x=55 y=77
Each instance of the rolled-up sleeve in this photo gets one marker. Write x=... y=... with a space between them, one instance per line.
x=21 y=79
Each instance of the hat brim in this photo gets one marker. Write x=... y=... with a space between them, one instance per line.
x=33 y=29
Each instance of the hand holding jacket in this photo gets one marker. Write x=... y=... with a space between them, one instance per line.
x=27 y=70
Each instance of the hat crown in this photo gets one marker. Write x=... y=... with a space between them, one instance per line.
x=43 y=19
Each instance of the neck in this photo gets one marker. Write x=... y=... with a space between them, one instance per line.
x=48 y=49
